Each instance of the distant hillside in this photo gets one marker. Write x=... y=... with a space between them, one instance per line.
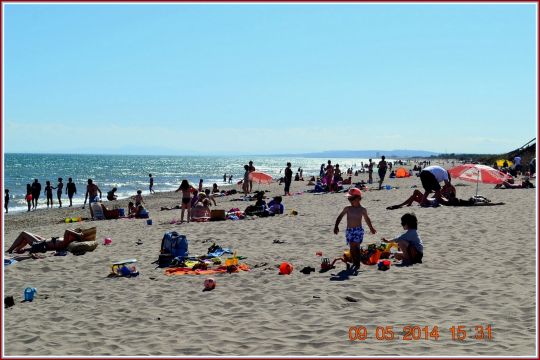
x=527 y=153
x=365 y=154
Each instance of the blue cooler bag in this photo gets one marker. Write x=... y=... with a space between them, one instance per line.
x=175 y=244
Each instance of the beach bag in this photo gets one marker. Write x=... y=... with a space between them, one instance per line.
x=175 y=244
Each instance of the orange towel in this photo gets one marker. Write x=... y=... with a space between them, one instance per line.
x=189 y=271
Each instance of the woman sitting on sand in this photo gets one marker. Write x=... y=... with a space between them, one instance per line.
x=201 y=211
x=40 y=244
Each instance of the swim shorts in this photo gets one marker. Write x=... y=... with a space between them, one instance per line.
x=355 y=235
x=93 y=199
x=429 y=181
x=186 y=200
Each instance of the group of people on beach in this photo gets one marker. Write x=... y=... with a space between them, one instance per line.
x=197 y=202
x=33 y=192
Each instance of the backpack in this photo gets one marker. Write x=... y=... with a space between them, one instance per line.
x=174 y=244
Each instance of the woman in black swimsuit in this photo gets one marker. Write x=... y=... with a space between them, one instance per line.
x=40 y=244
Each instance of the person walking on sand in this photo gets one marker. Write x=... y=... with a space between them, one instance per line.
x=288 y=179
x=36 y=191
x=91 y=195
x=251 y=169
x=70 y=190
x=355 y=232
x=48 y=193
x=230 y=179
x=186 y=199
x=59 y=189
x=151 y=186
x=382 y=166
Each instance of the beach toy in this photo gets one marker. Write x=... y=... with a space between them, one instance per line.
x=209 y=284
x=29 y=293
x=318 y=253
x=388 y=187
x=149 y=222
x=285 y=268
x=384 y=265
x=121 y=212
x=107 y=241
x=325 y=264
x=232 y=261
x=117 y=267
x=391 y=245
x=68 y=220
x=347 y=256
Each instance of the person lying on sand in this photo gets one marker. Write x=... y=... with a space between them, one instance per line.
x=40 y=244
x=177 y=207
x=525 y=184
x=450 y=200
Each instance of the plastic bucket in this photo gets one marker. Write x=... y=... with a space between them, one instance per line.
x=121 y=212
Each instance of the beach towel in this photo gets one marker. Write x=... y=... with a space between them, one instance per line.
x=189 y=271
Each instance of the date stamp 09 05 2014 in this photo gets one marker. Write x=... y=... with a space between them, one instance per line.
x=417 y=333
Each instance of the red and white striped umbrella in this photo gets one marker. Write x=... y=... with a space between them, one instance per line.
x=260 y=177
x=479 y=174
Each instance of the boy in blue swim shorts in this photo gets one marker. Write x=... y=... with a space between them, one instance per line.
x=355 y=232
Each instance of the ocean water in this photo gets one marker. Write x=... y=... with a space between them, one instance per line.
x=130 y=172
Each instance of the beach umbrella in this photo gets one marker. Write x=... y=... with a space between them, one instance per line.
x=260 y=177
x=500 y=162
x=479 y=174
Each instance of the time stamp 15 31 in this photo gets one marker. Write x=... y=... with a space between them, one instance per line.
x=425 y=333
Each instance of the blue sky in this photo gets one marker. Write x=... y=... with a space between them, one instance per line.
x=268 y=78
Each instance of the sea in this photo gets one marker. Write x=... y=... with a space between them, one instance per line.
x=129 y=173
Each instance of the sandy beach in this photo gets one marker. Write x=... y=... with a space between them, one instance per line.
x=479 y=269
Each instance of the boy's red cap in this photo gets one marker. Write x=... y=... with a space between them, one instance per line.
x=354 y=192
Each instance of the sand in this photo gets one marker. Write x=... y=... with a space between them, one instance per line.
x=479 y=269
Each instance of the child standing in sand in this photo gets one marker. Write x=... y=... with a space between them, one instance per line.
x=48 y=192
x=355 y=232
x=59 y=189
x=28 y=196
x=186 y=199
x=409 y=243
